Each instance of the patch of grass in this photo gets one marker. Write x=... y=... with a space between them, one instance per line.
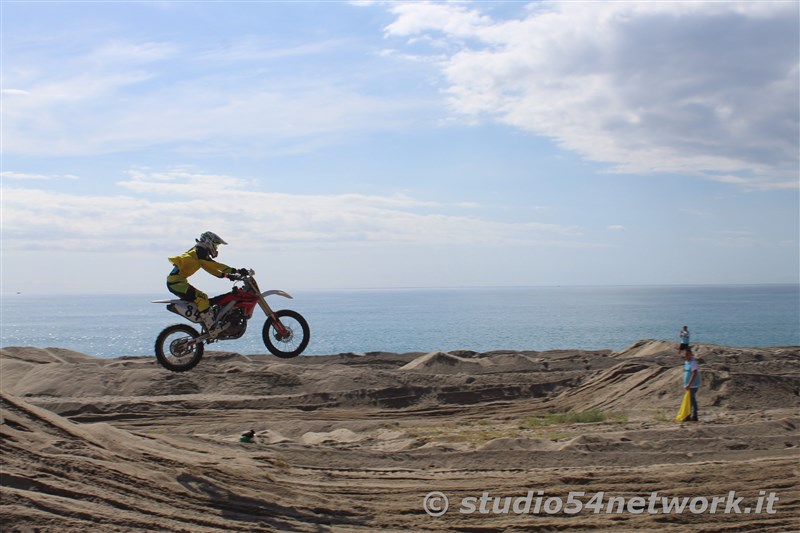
x=618 y=418
x=662 y=416
x=580 y=417
x=478 y=432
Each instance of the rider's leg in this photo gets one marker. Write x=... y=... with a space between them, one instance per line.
x=178 y=286
x=201 y=299
x=204 y=308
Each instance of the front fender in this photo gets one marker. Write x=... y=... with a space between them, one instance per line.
x=276 y=292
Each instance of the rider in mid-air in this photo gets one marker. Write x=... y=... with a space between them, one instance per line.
x=201 y=255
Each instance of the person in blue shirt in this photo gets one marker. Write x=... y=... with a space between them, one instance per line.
x=684 y=336
x=691 y=380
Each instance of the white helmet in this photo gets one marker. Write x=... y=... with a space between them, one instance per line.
x=209 y=241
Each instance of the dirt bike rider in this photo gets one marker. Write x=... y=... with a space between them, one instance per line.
x=201 y=255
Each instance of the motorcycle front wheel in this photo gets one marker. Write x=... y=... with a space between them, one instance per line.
x=294 y=338
x=176 y=349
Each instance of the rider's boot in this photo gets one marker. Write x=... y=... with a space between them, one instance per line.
x=208 y=318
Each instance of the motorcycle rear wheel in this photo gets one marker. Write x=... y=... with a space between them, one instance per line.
x=297 y=334
x=175 y=350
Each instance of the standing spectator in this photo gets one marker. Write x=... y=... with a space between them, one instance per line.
x=691 y=380
x=684 y=340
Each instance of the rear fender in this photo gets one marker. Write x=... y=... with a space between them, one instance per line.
x=187 y=310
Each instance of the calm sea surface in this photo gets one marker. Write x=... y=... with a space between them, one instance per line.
x=424 y=320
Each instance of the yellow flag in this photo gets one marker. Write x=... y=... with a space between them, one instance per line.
x=686 y=408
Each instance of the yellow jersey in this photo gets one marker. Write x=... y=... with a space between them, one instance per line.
x=193 y=260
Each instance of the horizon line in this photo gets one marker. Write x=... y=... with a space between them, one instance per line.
x=4 y=294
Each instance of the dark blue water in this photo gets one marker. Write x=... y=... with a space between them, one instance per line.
x=408 y=320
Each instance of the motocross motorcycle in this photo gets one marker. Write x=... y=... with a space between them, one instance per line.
x=180 y=347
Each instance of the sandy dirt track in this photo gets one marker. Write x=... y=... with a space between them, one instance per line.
x=355 y=442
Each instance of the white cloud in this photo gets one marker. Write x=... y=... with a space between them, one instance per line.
x=228 y=99
x=616 y=227
x=251 y=49
x=24 y=176
x=126 y=54
x=695 y=88
x=450 y=18
x=160 y=207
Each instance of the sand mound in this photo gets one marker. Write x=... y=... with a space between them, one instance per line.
x=45 y=355
x=648 y=347
x=625 y=386
x=445 y=363
x=338 y=435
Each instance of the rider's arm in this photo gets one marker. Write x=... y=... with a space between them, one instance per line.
x=217 y=269
x=212 y=267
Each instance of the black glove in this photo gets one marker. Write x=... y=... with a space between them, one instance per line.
x=243 y=272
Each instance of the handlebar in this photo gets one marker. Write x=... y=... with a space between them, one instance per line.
x=241 y=274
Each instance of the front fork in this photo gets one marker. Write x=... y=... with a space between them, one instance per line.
x=262 y=303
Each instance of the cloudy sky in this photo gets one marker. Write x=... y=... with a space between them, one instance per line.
x=400 y=144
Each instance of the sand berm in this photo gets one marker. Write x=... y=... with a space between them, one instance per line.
x=354 y=442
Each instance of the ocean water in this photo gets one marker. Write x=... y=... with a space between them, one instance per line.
x=424 y=320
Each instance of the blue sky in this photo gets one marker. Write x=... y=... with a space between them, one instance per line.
x=400 y=144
